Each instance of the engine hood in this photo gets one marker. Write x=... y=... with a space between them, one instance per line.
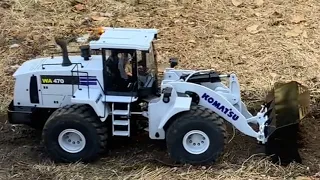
x=31 y=66
x=54 y=64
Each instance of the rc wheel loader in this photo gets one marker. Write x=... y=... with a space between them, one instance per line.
x=84 y=101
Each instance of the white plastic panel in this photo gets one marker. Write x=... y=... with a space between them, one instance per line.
x=94 y=99
x=120 y=99
x=125 y=38
x=52 y=101
x=93 y=67
x=159 y=112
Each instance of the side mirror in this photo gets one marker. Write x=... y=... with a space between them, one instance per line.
x=173 y=62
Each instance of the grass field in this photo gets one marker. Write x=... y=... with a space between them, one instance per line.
x=262 y=41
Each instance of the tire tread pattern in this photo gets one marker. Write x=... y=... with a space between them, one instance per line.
x=87 y=114
x=195 y=113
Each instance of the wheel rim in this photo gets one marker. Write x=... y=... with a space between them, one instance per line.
x=196 y=142
x=71 y=140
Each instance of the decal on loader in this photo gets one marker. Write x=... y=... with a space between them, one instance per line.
x=220 y=107
x=72 y=80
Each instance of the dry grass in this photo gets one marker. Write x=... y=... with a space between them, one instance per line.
x=202 y=34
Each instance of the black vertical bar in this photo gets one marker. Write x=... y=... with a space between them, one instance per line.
x=104 y=69
x=134 y=68
x=72 y=82
x=144 y=58
x=88 y=85
x=78 y=76
x=33 y=90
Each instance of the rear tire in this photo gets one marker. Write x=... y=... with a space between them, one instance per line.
x=207 y=141
x=74 y=133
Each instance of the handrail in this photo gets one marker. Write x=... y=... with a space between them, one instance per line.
x=59 y=64
x=77 y=71
x=78 y=75
x=87 y=74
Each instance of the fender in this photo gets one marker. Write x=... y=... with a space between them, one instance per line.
x=160 y=112
x=95 y=100
x=217 y=103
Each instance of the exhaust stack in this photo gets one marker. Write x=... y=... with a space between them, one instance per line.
x=63 y=45
x=287 y=104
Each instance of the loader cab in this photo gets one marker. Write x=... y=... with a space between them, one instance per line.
x=129 y=62
x=130 y=72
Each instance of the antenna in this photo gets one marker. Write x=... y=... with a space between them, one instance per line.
x=63 y=45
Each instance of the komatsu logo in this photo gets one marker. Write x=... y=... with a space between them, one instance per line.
x=220 y=107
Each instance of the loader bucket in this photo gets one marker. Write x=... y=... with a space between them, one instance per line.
x=287 y=105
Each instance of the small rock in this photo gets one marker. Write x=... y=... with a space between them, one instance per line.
x=258 y=14
x=79 y=7
x=273 y=75
x=237 y=3
x=305 y=34
x=15 y=66
x=14 y=46
x=303 y=178
x=294 y=32
x=98 y=18
x=297 y=19
x=259 y=2
x=106 y=14
x=253 y=29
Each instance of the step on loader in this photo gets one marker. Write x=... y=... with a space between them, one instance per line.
x=81 y=102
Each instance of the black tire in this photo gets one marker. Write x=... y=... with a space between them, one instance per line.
x=198 y=118
x=83 y=119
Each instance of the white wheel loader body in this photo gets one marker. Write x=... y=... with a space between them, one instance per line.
x=86 y=93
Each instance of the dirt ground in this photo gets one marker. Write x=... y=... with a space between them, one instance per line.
x=262 y=41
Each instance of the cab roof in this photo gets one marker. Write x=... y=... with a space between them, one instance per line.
x=125 y=38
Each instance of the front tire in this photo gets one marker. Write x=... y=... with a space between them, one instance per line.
x=74 y=133
x=196 y=137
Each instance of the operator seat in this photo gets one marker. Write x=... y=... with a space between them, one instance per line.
x=116 y=73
